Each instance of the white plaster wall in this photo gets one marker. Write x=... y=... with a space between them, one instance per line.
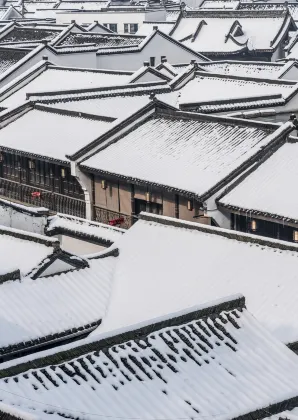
x=291 y=74
x=77 y=246
x=157 y=47
x=11 y=218
x=83 y=59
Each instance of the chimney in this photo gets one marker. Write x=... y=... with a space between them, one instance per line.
x=155 y=27
x=45 y=57
x=146 y=64
x=45 y=42
x=72 y=21
x=164 y=59
x=152 y=96
x=96 y=21
x=193 y=62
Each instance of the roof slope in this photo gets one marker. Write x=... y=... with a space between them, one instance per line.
x=32 y=247
x=101 y=40
x=76 y=132
x=268 y=189
x=35 y=311
x=212 y=32
x=62 y=79
x=242 y=68
x=214 y=262
x=205 y=361
x=186 y=152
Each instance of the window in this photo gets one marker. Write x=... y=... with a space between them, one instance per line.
x=142 y=205
x=152 y=61
x=131 y=28
x=113 y=27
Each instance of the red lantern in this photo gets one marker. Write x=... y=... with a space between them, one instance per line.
x=35 y=194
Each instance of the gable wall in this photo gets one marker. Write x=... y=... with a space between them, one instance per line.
x=156 y=47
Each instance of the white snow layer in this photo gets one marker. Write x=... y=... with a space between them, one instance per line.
x=163 y=269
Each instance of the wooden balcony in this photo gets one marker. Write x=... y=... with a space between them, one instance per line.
x=113 y=218
x=42 y=198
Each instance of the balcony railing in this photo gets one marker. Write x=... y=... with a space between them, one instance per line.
x=113 y=218
x=42 y=198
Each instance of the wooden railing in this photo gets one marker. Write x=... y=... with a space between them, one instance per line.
x=113 y=218
x=42 y=198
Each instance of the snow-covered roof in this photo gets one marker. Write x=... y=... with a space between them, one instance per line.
x=211 y=148
x=33 y=312
x=23 y=34
x=82 y=228
x=55 y=134
x=220 y=4
x=9 y=57
x=267 y=190
x=82 y=5
x=206 y=88
x=55 y=79
x=214 y=263
x=117 y=106
x=246 y=68
x=23 y=251
x=101 y=40
x=212 y=32
x=211 y=361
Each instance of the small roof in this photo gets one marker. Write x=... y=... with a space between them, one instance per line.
x=54 y=306
x=53 y=78
x=32 y=247
x=246 y=68
x=82 y=228
x=100 y=40
x=55 y=133
x=186 y=152
x=214 y=360
x=257 y=192
x=23 y=34
x=214 y=262
x=205 y=87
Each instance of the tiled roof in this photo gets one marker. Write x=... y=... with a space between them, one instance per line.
x=252 y=69
x=9 y=57
x=55 y=305
x=207 y=88
x=212 y=362
x=50 y=127
x=98 y=232
x=28 y=34
x=220 y=4
x=32 y=247
x=257 y=193
x=82 y=5
x=158 y=151
x=147 y=28
x=55 y=79
x=101 y=40
x=214 y=262
x=208 y=32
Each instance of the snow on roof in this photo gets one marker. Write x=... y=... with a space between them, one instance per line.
x=22 y=250
x=258 y=191
x=32 y=309
x=81 y=227
x=59 y=78
x=21 y=34
x=32 y=6
x=147 y=27
x=220 y=4
x=209 y=362
x=258 y=30
x=101 y=40
x=116 y=106
x=9 y=57
x=54 y=135
x=208 y=88
x=82 y=5
x=214 y=263
x=172 y=15
x=186 y=152
x=252 y=69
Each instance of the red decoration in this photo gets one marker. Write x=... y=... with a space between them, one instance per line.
x=35 y=194
x=115 y=222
